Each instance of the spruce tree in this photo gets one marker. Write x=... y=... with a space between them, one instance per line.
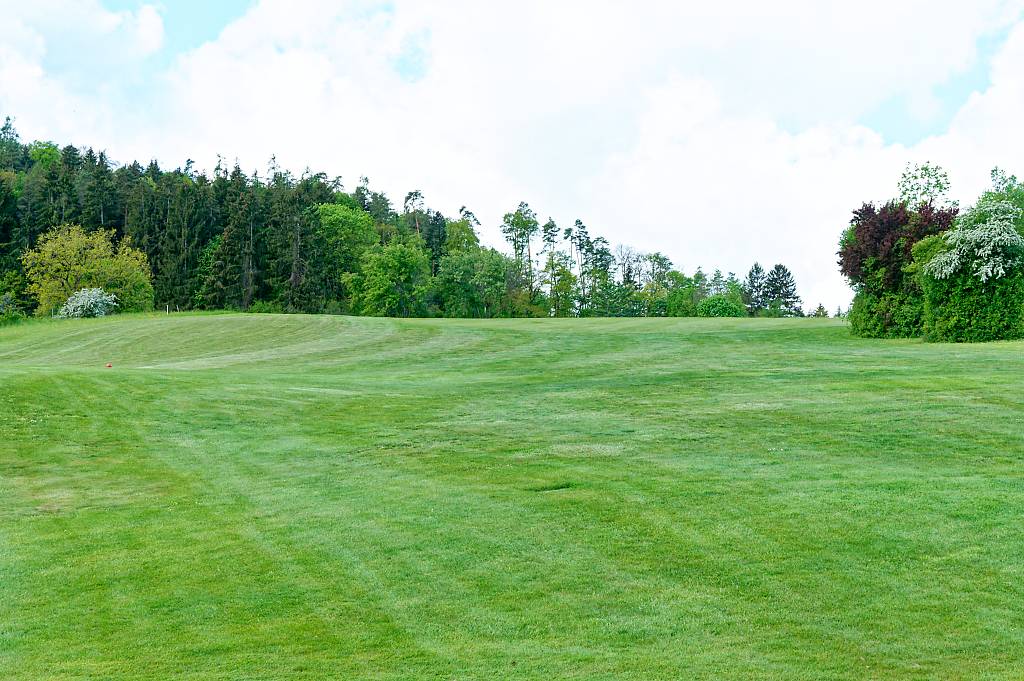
x=754 y=290
x=780 y=289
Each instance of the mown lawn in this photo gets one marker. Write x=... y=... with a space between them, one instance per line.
x=292 y=497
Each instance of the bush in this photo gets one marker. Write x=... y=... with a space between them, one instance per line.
x=10 y=311
x=266 y=307
x=890 y=315
x=875 y=254
x=985 y=241
x=964 y=309
x=721 y=306
x=972 y=277
x=89 y=302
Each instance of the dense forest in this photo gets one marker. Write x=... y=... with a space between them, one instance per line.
x=281 y=242
x=921 y=267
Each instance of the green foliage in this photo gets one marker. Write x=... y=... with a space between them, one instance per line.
x=343 y=235
x=44 y=154
x=875 y=254
x=721 y=306
x=480 y=282
x=985 y=241
x=519 y=227
x=1005 y=187
x=393 y=281
x=8 y=218
x=754 y=290
x=266 y=307
x=10 y=311
x=347 y=234
x=68 y=259
x=11 y=150
x=684 y=294
x=460 y=236
x=229 y=240
x=455 y=286
x=889 y=315
x=655 y=284
x=973 y=284
x=962 y=308
x=561 y=284
x=779 y=293
x=126 y=275
x=972 y=276
x=14 y=286
x=925 y=183
x=929 y=271
x=926 y=250
x=493 y=280
x=204 y=296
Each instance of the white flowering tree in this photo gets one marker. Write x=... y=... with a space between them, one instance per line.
x=89 y=302
x=985 y=242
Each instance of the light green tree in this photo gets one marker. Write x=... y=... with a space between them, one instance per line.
x=519 y=228
x=460 y=236
x=345 y=234
x=561 y=284
x=68 y=259
x=393 y=281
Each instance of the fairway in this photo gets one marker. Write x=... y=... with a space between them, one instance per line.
x=317 y=497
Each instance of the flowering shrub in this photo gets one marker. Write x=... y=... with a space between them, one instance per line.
x=89 y=302
x=973 y=276
x=985 y=241
x=921 y=267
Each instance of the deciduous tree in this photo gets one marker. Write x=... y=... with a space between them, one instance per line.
x=68 y=259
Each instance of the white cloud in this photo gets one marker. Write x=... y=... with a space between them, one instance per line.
x=737 y=189
x=85 y=26
x=718 y=133
x=64 y=65
x=147 y=28
x=987 y=130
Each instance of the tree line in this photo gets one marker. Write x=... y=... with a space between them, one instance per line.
x=288 y=243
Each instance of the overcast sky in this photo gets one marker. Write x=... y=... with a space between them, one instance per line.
x=716 y=132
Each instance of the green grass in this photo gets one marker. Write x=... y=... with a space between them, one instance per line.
x=289 y=497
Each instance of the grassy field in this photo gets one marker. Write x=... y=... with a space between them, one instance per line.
x=289 y=497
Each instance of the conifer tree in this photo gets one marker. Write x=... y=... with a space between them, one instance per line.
x=754 y=290
x=780 y=290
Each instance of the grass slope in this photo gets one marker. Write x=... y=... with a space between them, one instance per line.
x=288 y=497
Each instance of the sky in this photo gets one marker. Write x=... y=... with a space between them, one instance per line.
x=718 y=133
